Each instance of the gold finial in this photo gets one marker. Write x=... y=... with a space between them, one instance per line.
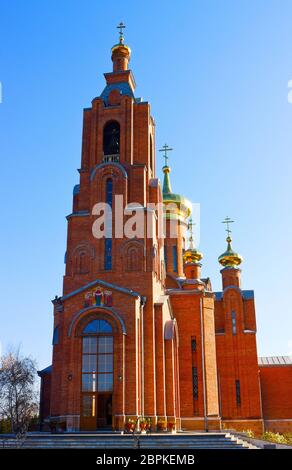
x=165 y=149
x=229 y=258
x=121 y=26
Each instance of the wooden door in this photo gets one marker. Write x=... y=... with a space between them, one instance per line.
x=88 y=419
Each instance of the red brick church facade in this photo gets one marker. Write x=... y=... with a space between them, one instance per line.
x=138 y=331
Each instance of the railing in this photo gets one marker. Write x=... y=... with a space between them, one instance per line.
x=111 y=158
x=16 y=442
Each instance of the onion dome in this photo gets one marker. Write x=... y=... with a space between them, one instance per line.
x=192 y=255
x=230 y=259
x=121 y=53
x=177 y=206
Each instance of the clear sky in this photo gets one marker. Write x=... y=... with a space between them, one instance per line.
x=216 y=74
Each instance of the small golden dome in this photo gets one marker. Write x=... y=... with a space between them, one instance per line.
x=230 y=258
x=121 y=49
x=191 y=255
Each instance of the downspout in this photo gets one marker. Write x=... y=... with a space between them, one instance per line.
x=261 y=400
x=203 y=365
x=142 y=303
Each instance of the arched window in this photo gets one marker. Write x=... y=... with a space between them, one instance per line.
x=97 y=363
x=83 y=267
x=111 y=141
x=98 y=327
x=132 y=259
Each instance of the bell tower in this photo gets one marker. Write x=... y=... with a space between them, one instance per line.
x=117 y=168
x=114 y=277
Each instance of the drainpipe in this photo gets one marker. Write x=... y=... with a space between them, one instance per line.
x=203 y=365
x=142 y=303
x=261 y=400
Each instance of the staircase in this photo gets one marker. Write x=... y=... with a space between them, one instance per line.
x=184 y=440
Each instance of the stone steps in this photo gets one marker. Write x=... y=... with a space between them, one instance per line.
x=118 y=441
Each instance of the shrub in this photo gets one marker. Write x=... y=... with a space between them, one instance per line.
x=275 y=437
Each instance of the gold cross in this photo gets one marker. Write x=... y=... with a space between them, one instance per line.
x=191 y=224
x=228 y=221
x=121 y=26
x=165 y=149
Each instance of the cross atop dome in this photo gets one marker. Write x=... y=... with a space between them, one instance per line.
x=191 y=224
x=228 y=221
x=165 y=148
x=229 y=258
x=121 y=53
x=121 y=26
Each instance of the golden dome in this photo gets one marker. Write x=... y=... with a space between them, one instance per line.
x=230 y=258
x=192 y=255
x=182 y=206
x=121 y=49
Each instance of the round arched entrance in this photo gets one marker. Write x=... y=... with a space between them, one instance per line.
x=97 y=374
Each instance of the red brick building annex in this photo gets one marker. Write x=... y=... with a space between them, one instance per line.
x=137 y=330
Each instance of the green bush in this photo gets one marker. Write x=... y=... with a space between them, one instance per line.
x=275 y=437
x=288 y=436
x=5 y=426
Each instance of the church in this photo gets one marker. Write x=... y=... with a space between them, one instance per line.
x=138 y=332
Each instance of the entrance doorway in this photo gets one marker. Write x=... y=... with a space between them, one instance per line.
x=96 y=411
x=97 y=376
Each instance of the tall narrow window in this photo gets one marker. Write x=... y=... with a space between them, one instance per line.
x=237 y=392
x=233 y=320
x=165 y=257
x=194 y=344
x=111 y=141
x=108 y=254
x=174 y=257
x=83 y=267
x=195 y=383
x=151 y=156
x=56 y=336
x=109 y=192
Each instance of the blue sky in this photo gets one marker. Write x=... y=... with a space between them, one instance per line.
x=216 y=74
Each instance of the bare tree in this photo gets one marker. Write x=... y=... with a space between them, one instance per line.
x=18 y=397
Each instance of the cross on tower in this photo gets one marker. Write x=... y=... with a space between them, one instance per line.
x=228 y=221
x=191 y=224
x=165 y=149
x=121 y=26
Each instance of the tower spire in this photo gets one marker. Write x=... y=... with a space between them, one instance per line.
x=166 y=169
x=229 y=258
x=121 y=52
x=192 y=255
x=191 y=224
